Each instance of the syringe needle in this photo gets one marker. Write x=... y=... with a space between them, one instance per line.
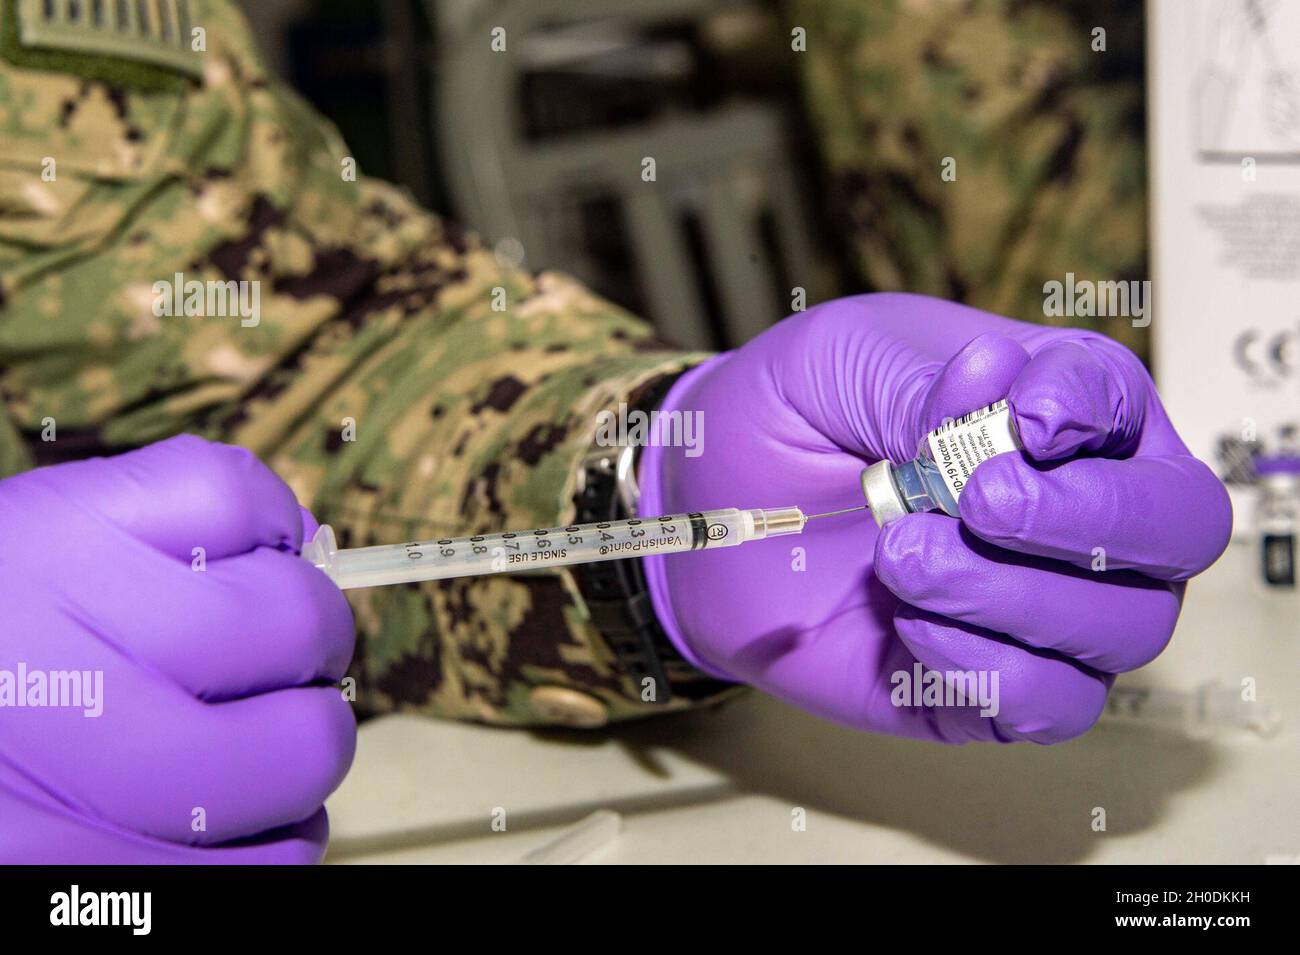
x=847 y=510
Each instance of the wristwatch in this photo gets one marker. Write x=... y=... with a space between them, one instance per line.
x=615 y=591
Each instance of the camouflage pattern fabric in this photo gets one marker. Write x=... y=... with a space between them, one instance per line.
x=1047 y=136
x=380 y=382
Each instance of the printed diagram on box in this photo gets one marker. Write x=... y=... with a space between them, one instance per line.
x=1246 y=86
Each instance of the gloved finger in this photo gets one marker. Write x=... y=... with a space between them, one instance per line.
x=1076 y=396
x=300 y=630
x=1113 y=622
x=40 y=830
x=1167 y=517
x=224 y=629
x=269 y=761
x=178 y=495
x=978 y=375
x=1028 y=694
x=872 y=397
x=217 y=771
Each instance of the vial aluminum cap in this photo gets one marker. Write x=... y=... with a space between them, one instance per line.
x=882 y=493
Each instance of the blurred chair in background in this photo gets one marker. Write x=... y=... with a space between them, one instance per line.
x=549 y=147
x=823 y=170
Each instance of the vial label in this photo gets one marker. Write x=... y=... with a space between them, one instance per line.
x=961 y=446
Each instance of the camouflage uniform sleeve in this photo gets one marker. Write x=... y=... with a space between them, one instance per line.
x=1047 y=135
x=404 y=382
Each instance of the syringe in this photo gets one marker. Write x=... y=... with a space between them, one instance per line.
x=1199 y=713
x=515 y=551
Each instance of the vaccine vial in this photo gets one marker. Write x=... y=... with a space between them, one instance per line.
x=1277 y=520
x=944 y=462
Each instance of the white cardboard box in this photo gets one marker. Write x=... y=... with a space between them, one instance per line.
x=1224 y=132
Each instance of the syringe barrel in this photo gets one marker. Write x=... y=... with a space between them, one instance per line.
x=543 y=548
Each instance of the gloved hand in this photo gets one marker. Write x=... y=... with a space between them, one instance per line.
x=216 y=719
x=1010 y=589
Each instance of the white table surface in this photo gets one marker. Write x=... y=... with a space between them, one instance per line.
x=722 y=786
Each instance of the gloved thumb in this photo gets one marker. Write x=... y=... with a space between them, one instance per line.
x=978 y=375
x=309 y=525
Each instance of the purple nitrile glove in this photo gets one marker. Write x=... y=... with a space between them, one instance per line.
x=1065 y=568
x=203 y=727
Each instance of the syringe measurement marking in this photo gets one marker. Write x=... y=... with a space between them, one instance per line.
x=545 y=549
